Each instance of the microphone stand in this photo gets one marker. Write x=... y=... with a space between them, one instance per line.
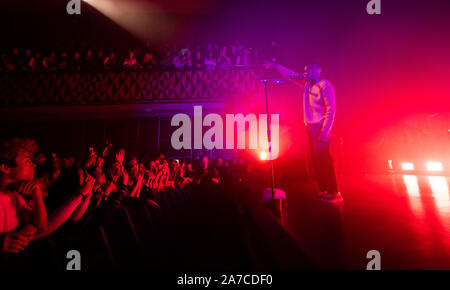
x=269 y=138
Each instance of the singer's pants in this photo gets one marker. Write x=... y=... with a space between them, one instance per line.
x=322 y=161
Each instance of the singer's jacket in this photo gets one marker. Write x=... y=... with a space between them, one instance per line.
x=319 y=102
x=319 y=106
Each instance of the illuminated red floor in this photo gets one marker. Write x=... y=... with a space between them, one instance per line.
x=406 y=218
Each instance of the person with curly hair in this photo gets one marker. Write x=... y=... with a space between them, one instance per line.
x=18 y=220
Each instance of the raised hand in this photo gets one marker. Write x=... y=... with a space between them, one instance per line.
x=92 y=159
x=88 y=184
x=56 y=163
x=125 y=176
x=99 y=163
x=140 y=176
x=110 y=187
x=120 y=155
x=30 y=188
x=147 y=177
x=105 y=150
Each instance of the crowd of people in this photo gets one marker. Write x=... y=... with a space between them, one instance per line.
x=39 y=193
x=185 y=57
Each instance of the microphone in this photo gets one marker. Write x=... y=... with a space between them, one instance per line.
x=280 y=80
x=297 y=77
x=300 y=78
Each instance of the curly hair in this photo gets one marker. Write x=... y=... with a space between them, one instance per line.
x=10 y=149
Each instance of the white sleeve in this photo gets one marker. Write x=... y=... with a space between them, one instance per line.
x=329 y=100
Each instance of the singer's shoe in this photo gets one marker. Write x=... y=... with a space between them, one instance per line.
x=333 y=198
x=320 y=196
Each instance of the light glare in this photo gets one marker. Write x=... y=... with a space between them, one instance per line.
x=412 y=185
x=407 y=166
x=434 y=166
x=439 y=187
x=263 y=155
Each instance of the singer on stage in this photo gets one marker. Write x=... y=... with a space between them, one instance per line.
x=319 y=109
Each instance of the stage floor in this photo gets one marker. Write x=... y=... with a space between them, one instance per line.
x=404 y=217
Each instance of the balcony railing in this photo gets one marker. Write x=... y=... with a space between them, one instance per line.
x=76 y=88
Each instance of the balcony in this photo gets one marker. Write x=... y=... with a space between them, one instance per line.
x=135 y=87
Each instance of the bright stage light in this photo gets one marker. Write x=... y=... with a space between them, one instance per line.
x=412 y=185
x=263 y=155
x=439 y=187
x=434 y=166
x=407 y=166
x=143 y=19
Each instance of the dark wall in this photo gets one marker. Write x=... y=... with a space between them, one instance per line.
x=74 y=137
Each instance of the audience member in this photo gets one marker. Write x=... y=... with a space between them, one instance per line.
x=210 y=61
x=19 y=219
x=78 y=194
x=206 y=172
x=142 y=58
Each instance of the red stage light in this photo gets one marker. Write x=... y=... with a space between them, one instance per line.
x=439 y=187
x=407 y=166
x=263 y=155
x=412 y=185
x=434 y=166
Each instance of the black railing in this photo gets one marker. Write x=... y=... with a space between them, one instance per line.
x=23 y=89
